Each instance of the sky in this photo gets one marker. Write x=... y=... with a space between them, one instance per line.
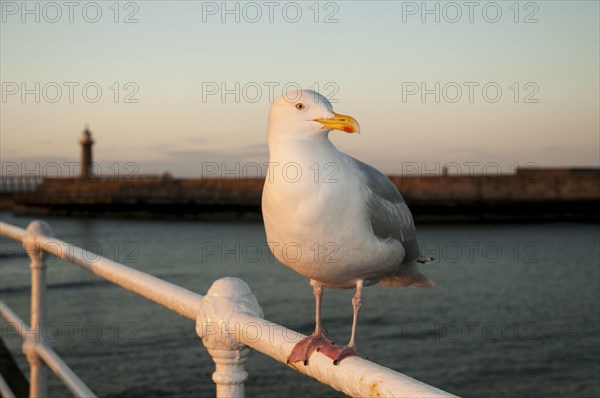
x=185 y=86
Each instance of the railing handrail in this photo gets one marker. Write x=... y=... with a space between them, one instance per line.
x=235 y=325
x=176 y=298
x=54 y=362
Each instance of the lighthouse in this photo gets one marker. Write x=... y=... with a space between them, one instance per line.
x=86 y=142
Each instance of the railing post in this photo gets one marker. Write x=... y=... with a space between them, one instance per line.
x=226 y=297
x=38 y=375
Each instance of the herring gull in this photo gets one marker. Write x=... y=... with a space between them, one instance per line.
x=332 y=218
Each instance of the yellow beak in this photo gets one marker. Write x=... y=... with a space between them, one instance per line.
x=344 y=123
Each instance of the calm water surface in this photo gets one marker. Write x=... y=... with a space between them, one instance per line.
x=514 y=313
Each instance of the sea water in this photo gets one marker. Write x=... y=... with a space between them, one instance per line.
x=514 y=311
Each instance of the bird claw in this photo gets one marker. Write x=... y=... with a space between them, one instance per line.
x=338 y=353
x=306 y=347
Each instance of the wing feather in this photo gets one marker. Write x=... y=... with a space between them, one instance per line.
x=388 y=213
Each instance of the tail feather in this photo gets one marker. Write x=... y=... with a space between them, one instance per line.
x=408 y=276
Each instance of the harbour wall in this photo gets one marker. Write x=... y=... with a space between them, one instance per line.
x=540 y=194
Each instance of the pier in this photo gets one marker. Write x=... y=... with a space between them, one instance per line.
x=527 y=195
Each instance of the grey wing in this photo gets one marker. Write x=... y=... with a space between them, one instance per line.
x=388 y=213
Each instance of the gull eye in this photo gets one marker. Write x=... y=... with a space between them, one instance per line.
x=300 y=106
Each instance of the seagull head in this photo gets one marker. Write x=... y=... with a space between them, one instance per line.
x=306 y=115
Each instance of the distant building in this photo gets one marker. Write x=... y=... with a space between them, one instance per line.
x=87 y=170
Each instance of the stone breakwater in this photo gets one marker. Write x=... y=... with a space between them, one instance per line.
x=527 y=195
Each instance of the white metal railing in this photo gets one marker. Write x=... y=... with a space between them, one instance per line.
x=228 y=320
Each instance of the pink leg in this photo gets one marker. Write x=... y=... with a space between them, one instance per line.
x=318 y=342
x=307 y=346
x=338 y=353
x=356 y=304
